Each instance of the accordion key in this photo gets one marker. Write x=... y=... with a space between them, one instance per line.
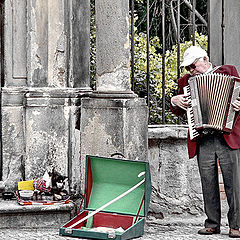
x=210 y=99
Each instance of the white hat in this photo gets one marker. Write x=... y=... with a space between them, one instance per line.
x=191 y=54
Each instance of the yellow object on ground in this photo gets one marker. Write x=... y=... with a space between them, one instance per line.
x=26 y=185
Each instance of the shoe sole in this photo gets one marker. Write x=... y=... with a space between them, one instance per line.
x=234 y=236
x=209 y=233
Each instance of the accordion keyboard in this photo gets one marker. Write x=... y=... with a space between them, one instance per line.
x=190 y=117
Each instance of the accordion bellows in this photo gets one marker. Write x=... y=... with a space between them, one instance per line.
x=210 y=102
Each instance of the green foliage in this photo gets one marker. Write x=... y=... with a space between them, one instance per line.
x=155 y=81
x=155 y=19
x=155 y=63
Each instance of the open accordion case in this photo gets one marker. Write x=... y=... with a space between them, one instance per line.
x=116 y=200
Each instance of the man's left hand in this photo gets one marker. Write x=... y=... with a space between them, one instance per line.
x=236 y=104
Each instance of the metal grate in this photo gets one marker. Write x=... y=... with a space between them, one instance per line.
x=181 y=26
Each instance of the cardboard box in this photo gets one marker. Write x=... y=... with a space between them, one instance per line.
x=116 y=200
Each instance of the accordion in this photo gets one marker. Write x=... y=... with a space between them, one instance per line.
x=210 y=98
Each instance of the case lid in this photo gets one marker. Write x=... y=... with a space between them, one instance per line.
x=107 y=178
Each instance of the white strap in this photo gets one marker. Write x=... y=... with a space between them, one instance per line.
x=215 y=69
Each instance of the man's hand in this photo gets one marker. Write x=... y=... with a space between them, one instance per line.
x=236 y=105
x=180 y=101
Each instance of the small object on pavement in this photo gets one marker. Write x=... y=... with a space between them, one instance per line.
x=26 y=194
x=8 y=195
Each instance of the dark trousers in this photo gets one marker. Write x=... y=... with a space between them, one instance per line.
x=211 y=148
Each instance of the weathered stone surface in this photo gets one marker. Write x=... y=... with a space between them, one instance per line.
x=15 y=43
x=40 y=132
x=112 y=45
x=12 y=215
x=13 y=153
x=46 y=140
x=114 y=122
x=113 y=125
x=175 y=178
x=52 y=136
x=47 y=44
x=80 y=44
x=216 y=32
x=230 y=23
x=167 y=132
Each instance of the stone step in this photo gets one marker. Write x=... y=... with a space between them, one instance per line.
x=13 y=215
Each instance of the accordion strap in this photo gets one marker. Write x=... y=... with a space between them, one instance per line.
x=217 y=67
x=214 y=69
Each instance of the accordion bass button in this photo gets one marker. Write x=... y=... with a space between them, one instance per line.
x=205 y=132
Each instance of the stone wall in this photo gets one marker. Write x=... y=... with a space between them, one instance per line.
x=46 y=73
x=176 y=186
x=51 y=117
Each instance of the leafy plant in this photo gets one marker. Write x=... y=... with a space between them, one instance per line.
x=155 y=67
x=155 y=63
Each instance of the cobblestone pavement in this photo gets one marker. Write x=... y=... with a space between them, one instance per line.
x=151 y=233
x=153 y=230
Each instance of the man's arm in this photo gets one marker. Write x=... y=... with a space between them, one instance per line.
x=179 y=103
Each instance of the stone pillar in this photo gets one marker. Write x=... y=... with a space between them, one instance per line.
x=46 y=63
x=58 y=73
x=232 y=33
x=228 y=17
x=50 y=133
x=81 y=44
x=47 y=44
x=113 y=119
x=112 y=45
x=12 y=92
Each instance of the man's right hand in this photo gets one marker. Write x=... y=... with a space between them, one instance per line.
x=180 y=101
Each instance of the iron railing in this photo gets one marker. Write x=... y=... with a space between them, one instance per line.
x=191 y=4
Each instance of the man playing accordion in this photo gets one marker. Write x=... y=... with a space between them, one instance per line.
x=213 y=146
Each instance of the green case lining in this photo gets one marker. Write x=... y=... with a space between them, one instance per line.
x=113 y=177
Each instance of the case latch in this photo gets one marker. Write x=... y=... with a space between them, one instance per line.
x=111 y=235
x=68 y=230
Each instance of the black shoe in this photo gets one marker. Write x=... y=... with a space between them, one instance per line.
x=209 y=231
x=234 y=233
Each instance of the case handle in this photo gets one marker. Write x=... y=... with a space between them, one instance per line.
x=119 y=154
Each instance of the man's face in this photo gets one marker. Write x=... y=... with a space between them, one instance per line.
x=199 y=66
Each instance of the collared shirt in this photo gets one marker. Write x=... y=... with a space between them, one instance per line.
x=208 y=71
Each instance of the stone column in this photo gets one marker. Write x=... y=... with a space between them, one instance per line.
x=58 y=73
x=46 y=63
x=112 y=46
x=226 y=16
x=113 y=119
x=80 y=44
x=232 y=33
x=12 y=92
